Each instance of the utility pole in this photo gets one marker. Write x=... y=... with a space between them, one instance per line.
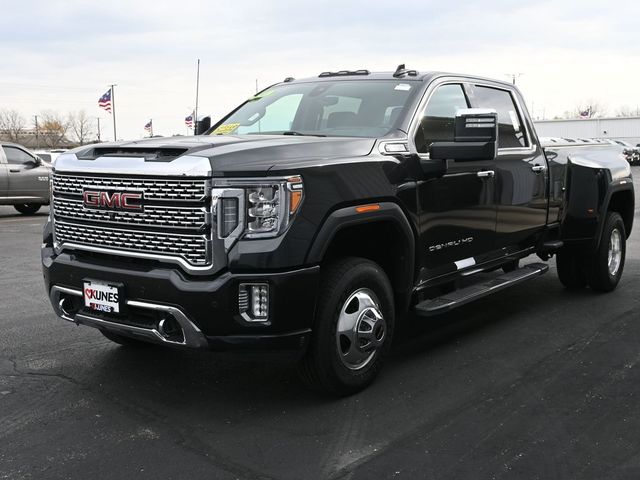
x=195 y=120
x=98 y=118
x=113 y=110
x=256 y=85
x=514 y=76
x=37 y=133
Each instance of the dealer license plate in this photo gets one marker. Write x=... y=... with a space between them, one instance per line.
x=102 y=296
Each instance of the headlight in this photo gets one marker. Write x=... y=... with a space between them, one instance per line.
x=256 y=208
x=271 y=206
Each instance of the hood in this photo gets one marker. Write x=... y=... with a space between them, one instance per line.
x=231 y=154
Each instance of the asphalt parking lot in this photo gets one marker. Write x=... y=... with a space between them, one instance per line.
x=535 y=382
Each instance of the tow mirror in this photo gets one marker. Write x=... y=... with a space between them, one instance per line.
x=203 y=125
x=475 y=137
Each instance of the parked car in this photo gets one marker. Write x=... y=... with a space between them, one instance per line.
x=49 y=155
x=317 y=215
x=24 y=179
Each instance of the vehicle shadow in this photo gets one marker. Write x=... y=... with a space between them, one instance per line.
x=173 y=376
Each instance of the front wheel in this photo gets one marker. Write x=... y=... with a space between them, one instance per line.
x=353 y=327
x=604 y=268
x=27 y=208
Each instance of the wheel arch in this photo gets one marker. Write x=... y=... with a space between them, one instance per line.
x=382 y=234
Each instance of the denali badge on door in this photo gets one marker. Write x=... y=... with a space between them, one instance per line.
x=101 y=297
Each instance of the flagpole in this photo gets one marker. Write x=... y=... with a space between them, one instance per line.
x=151 y=129
x=113 y=110
x=195 y=120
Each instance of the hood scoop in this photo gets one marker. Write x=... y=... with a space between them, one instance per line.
x=150 y=154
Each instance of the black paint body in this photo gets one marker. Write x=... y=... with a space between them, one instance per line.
x=442 y=226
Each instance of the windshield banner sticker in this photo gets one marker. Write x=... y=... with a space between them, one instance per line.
x=226 y=129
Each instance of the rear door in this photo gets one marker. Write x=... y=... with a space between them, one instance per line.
x=457 y=211
x=521 y=170
x=26 y=178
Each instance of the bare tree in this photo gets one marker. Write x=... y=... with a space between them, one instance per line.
x=82 y=127
x=11 y=125
x=53 y=129
x=627 y=111
x=592 y=108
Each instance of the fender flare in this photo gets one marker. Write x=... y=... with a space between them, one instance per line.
x=612 y=190
x=348 y=217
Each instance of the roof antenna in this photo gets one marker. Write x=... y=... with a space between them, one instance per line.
x=401 y=68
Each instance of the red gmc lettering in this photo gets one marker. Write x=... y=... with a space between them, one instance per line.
x=114 y=200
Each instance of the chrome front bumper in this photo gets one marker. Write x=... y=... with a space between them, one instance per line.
x=192 y=337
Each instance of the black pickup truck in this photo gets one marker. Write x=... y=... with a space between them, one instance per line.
x=321 y=212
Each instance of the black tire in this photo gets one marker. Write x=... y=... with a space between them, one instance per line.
x=124 y=340
x=27 y=208
x=347 y=284
x=571 y=268
x=601 y=275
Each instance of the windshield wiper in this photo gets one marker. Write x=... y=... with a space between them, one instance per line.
x=293 y=132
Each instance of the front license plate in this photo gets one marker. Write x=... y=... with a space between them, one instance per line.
x=102 y=296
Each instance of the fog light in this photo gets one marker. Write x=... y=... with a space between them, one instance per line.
x=253 y=301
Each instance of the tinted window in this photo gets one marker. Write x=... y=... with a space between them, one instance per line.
x=16 y=156
x=359 y=108
x=437 y=122
x=510 y=130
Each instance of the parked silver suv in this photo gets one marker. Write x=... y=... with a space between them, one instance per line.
x=24 y=179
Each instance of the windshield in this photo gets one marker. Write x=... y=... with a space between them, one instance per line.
x=341 y=108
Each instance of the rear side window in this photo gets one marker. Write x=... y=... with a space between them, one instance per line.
x=510 y=129
x=437 y=122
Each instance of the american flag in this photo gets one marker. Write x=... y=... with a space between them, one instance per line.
x=188 y=121
x=586 y=113
x=105 y=101
x=149 y=126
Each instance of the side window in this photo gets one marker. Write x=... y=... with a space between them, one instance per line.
x=437 y=122
x=15 y=156
x=510 y=129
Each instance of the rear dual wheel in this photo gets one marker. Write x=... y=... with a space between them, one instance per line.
x=353 y=327
x=602 y=269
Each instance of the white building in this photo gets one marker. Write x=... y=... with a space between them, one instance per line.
x=619 y=128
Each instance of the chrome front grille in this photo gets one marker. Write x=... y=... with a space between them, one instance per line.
x=192 y=248
x=154 y=189
x=174 y=224
x=153 y=216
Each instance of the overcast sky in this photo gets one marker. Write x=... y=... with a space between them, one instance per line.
x=61 y=55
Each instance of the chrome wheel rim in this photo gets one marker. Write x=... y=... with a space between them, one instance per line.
x=361 y=330
x=614 y=258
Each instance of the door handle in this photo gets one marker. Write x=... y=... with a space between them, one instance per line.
x=486 y=174
x=538 y=168
x=14 y=170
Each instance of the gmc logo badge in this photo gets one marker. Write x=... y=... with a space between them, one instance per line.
x=112 y=200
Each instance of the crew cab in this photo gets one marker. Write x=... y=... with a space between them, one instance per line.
x=321 y=212
x=24 y=179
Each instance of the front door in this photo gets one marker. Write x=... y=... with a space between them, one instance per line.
x=26 y=179
x=457 y=211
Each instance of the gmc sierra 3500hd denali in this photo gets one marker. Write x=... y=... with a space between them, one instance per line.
x=316 y=215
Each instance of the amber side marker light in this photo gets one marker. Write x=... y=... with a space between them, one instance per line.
x=368 y=208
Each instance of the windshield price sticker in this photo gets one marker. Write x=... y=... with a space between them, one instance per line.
x=405 y=87
x=101 y=297
x=226 y=129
